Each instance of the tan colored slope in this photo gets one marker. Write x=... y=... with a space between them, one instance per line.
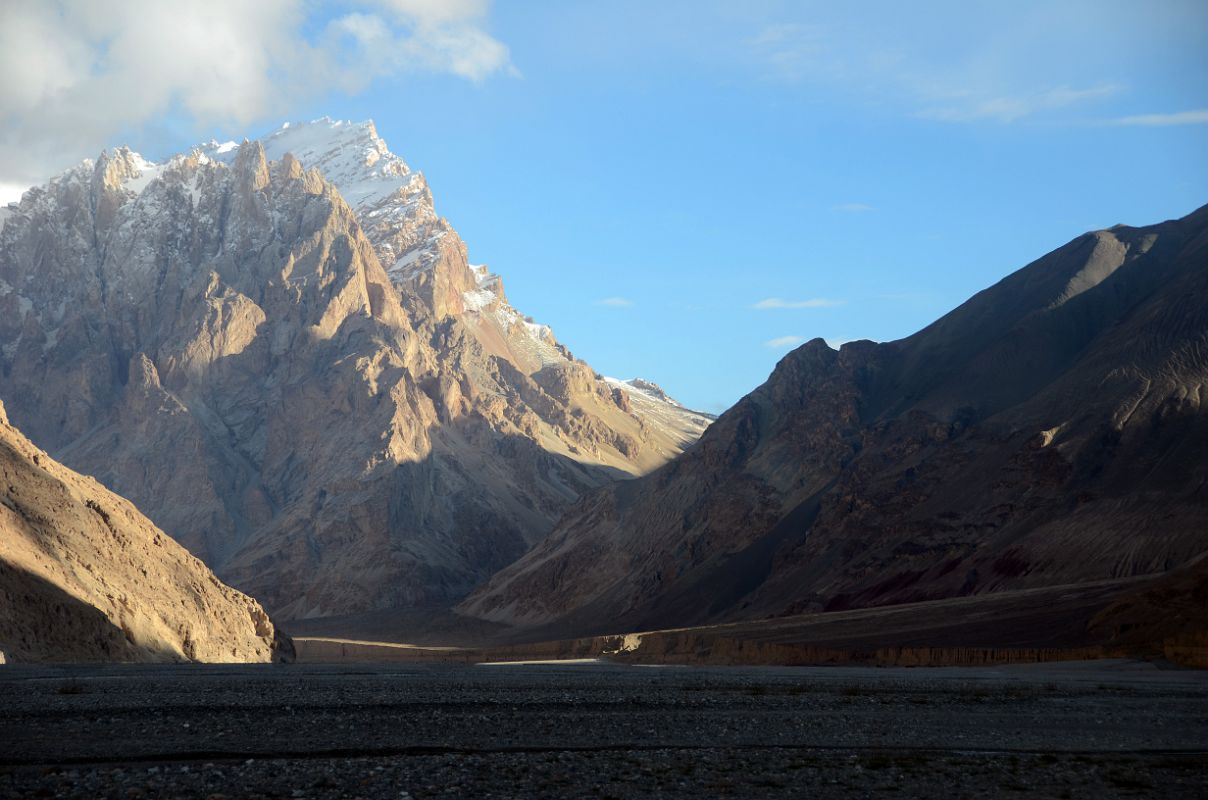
x=579 y=414
x=573 y=413
x=661 y=412
x=85 y=577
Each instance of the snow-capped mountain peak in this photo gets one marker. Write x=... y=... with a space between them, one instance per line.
x=393 y=202
x=239 y=296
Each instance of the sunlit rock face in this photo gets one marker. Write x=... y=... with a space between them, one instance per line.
x=1051 y=430
x=280 y=353
x=85 y=577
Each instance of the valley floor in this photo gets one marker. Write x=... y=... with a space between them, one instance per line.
x=1075 y=729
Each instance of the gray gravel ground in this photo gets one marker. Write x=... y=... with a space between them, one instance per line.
x=1102 y=729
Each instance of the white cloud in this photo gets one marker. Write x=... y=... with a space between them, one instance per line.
x=1003 y=65
x=854 y=208
x=77 y=74
x=1197 y=117
x=789 y=50
x=814 y=302
x=418 y=34
x=1010 y=108
x=11 y=192
x=431 y=12
x=784 y=341
x=615 y=302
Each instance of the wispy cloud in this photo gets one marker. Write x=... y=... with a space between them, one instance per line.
x=11 y=192
x=75 y=74
x=1197 y=117
x=783 y=341
x=814 y=302
x=899 y=60
x=1010 y=108
x=789 y=50
x=835 y=344
x=854 y=208
x=615 y=302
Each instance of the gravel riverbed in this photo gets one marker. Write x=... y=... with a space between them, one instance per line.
x=1094 y=729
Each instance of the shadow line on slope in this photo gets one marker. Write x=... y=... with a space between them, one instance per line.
x=64 y=628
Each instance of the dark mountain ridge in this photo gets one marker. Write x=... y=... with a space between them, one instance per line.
x=1050 y=430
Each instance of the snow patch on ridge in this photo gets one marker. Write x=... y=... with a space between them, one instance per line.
x=349 y=154
x=147 y=172
x=388 y=197
x=531 y=338
x=407 y=260
x=539 y=331
x=652 y=402
x=478 y=299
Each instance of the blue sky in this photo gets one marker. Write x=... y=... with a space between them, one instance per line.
x=684 y=190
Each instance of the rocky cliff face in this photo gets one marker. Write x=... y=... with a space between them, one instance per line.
x=216 y=338
x=1050 y=430
x=85 y=577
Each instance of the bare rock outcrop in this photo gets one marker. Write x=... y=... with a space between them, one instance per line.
x=280 y=353
x=85 y=577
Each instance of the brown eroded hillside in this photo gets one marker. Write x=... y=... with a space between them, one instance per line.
x=85 y=577
x=1051 y=430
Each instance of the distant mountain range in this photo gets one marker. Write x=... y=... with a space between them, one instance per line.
x=280 y=353
x=1052 y=430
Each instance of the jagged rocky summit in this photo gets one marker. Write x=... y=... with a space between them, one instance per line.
x=281 y=354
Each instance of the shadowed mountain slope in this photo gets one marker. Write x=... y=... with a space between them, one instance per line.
x=1051 y=430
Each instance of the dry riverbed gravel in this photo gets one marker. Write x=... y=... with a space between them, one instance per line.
x=1101 y=729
